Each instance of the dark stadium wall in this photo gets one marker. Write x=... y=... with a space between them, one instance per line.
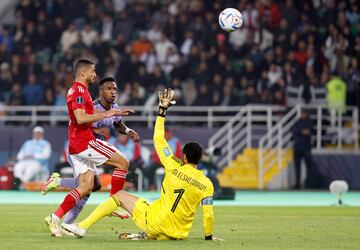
x=330 y=167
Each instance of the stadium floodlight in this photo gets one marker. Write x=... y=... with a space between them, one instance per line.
x=339 y=188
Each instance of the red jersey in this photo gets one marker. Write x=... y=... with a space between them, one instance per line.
x=78 y=97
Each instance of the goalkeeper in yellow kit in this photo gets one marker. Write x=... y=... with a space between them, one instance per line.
x=183 y=189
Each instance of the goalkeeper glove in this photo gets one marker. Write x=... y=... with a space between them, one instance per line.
x=166 y=98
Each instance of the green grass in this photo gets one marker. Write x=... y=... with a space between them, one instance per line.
x=22 y=227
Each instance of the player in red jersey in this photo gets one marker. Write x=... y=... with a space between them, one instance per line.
x=85 y=151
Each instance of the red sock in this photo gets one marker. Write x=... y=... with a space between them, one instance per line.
x=69 y=202
x=117 y=181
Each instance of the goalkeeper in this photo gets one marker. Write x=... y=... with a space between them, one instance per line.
x=183 y=189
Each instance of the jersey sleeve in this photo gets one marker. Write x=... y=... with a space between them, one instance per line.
x=166 y=156
x=78 y=100
x=208 y=210
x=117 y=119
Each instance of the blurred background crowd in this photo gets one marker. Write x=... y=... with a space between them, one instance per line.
x=179 y=44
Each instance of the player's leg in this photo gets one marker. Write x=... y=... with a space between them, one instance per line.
x=71 y=216
x=113 y=158
x=127 y=201
x=85 y=186
x=103 y=210
x=71 y=199
x=118 y=178
x=110 y=155
x=56 y=181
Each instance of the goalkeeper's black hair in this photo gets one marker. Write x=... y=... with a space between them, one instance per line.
x=193 y=152
x=106 y=79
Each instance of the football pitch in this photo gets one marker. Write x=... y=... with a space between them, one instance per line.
x=242 y=227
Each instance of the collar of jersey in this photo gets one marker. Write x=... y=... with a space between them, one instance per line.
x=103 y=105
x=80 y=83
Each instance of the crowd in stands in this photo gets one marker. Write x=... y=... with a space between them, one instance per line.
x=179 y=44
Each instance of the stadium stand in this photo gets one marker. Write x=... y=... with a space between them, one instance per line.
x=283 y=44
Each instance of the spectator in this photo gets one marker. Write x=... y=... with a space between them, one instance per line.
x=171 y=61
x=4 y=53
x=142 y=45
x=124 y=25
x=68 y=37
x=274 y=74
x=47 y=75
x=154 y=34
x=16 y=96
x=6 y=38
x=88 y=35
x=176 y=147
x=5 y=81
x=302 y=131
x=188 y=42
x=251 y=97
x=336 y=97
x=189 y=88
x=33 y=92
x=263 y=37
x=33 y=158
x=162 y=47
x=107 y=28
x=203 y=97
x=354 y=82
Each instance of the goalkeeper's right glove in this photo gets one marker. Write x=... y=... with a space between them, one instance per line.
x=166 y=98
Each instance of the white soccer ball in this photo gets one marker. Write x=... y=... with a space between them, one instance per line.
x=230 y=19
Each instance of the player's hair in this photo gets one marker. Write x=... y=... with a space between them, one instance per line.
x=193 y=152
x=106 y=79
x=80 y=63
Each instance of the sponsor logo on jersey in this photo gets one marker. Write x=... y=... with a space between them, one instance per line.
x=79 y=100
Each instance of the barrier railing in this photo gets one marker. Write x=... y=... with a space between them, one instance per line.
x=332 y=128
x=238 y=132
x=205 y=116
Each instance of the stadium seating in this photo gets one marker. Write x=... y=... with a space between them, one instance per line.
x=243 y=171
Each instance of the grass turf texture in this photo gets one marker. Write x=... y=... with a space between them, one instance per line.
x=22 y=227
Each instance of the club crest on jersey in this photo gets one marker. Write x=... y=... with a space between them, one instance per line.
x=166 y=151
x=79 y=100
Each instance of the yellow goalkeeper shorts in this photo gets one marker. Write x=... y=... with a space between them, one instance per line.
x=142 y=219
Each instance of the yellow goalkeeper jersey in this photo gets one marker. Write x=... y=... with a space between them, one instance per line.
x=183 y=189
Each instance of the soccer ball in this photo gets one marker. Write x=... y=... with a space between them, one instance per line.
x=230 y=19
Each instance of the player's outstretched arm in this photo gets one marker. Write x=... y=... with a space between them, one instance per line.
x=83 y=118
x=161 y=146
